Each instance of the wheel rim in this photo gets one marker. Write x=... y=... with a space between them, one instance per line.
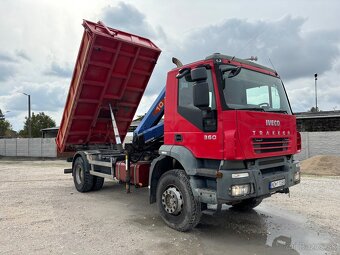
x=172 y=200
x=79 y=175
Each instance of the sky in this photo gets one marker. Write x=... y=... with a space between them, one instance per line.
x=40 y=39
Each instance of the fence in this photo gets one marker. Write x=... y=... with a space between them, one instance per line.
x=313 y=143
x=28 y=147
x=319 y=143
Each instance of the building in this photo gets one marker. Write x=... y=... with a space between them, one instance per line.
x=49 y=132
x=318 y=121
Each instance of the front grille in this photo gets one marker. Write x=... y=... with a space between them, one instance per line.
x=266 y=145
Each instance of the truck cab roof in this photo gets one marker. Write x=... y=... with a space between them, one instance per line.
x=218 y=57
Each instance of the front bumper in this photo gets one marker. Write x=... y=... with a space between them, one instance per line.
x=259 y=178
x=258 y=174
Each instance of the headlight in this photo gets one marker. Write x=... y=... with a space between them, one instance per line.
x=297 y=176
x=240 y=190
x=298 y=164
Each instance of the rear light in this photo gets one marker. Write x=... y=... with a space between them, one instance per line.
x=298 y=141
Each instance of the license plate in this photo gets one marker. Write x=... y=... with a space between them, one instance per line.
x=278 y=183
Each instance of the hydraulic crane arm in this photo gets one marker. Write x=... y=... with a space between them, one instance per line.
x=150 y=130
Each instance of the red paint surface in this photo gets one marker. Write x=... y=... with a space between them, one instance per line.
x=139 y=173
x=112 y=67
x=235 y=129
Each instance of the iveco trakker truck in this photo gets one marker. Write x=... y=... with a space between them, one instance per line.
x=220 y=132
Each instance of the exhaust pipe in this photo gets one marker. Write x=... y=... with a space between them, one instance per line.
x=177 y=62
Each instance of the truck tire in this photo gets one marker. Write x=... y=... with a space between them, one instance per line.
x=98 y=183
x=83 y=180
x=247 y=204
x=176 y=203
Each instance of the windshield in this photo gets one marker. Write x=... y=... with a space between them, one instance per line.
x=251 y=90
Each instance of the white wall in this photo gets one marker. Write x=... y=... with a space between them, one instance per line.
x=22 y=147
x=319 y=143
x=28 y=147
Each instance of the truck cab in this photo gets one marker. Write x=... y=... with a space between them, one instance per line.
x=229 y=126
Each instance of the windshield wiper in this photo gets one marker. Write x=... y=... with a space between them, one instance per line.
x=281 y=111
x=252 y=109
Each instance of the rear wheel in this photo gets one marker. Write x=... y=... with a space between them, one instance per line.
x=83 y=180
x=176 y=203
x=247 y=204
x=98 y=183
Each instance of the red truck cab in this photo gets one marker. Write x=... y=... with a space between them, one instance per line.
x=249 y=116
x=229 y=125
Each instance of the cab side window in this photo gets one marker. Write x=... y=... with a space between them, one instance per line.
x=185 y=93
x=203 y=119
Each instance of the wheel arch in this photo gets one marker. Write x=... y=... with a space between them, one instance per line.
x=172 y=157
x=83 y=156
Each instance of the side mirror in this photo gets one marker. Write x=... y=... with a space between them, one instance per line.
x=201 y=95
x=183 y=72
x=199 y=74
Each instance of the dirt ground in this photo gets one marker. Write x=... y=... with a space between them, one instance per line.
x=42 y=213
x=321 y=165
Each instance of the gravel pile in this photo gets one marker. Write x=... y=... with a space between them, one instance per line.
x=321 y=165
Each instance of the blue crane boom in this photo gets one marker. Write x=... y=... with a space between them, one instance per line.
x=150 y=129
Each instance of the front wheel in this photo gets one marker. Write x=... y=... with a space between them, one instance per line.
x=247 y=204
x=176 y=203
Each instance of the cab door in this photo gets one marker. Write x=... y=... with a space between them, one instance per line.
x=195 y=128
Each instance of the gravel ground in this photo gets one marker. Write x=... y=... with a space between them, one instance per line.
x=42 y=213
x=318 y=198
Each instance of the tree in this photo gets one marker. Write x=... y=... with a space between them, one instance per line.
x=5 y=126
x=38 y=122
x=313 y=109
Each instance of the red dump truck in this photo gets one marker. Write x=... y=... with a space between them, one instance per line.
x=228 y=134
